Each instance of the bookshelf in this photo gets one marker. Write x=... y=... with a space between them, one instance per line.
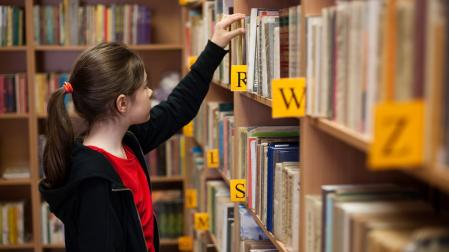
x=331 y=153
x=165 y=53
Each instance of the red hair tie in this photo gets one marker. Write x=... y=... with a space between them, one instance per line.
x=68 y=87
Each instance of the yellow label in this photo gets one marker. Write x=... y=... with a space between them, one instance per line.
x=238 y=77
x=238 y=190
x=212 y=158
x=183 y=2
x=289 y=97
x=191 y=198
x=185 y=243
x=188 y=129
x=192 y=59
x=201 y=221
x=398 y=135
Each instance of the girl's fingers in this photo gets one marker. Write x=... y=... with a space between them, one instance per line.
x=235 y=32
x=231 y=19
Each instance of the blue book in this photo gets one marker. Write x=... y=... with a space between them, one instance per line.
x=277 y=153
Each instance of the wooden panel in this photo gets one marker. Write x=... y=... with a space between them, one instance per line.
x=55 y=61
x=313 y=7
x=157 y=63
x=14 y=143
x=251 y=113
x=12 y=62
x=218 y=93
x=13 y=2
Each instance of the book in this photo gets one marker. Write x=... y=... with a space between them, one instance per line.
x=168 y=205
x=13 y=223
x=11 y=26
x=13 y=93
x=70 y=23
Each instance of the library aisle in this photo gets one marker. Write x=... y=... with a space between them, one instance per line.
x=325 y=128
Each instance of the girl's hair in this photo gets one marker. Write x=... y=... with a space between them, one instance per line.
x=99 y=76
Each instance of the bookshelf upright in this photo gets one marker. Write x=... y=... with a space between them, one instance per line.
x=20 y=132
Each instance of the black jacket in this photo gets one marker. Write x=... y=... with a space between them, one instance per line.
x=98 y=212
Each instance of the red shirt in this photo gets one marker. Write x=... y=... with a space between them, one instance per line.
x=133 y=177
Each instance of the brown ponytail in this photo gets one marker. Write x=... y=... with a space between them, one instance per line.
x=99 y=76
x=60 y=138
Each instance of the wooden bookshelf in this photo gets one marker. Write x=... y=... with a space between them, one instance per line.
x=13 y=182
x=436 y=175
x=17 y=247
x=257 y=98
x=53 y=246
x=220 y=84
x=342 y=133
x=165 y=53
x=330 y=152
x=13 y=48
x=14 y=116
x=169 y=242
x=212 y=238
x=167 y=179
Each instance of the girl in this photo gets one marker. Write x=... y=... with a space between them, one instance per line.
x=99 y=185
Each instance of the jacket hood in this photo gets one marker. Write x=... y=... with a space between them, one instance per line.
x=85 y=164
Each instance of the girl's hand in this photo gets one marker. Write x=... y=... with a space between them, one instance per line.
x=222 y=36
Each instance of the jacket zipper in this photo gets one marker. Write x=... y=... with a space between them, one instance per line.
x=135 y=209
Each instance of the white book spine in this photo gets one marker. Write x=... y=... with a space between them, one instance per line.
x=251 y=51
x=373 y=62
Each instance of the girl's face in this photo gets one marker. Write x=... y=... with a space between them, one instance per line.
x=141 y=104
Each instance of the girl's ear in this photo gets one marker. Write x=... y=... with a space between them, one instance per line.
x=122 y=103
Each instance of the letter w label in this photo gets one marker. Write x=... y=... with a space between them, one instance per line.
x=289 y=97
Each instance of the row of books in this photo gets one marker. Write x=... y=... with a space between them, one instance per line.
x=11 y=26
x=373 y=217
x=252 y=237
x=270 y=47
x=13 y=93
x=45 y=85
x=348 y=50
x=71 y=24
x=217 y=120
x=12 y=223
x=269 y=160
x=169 y=158
x=199 y=28
x=221 y=213
x=222 y=221
x=52 y=227
x=360 y=53
x=169 y=206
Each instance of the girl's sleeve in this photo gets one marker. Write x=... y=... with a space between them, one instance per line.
x=183 y=103
x=94 y=227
